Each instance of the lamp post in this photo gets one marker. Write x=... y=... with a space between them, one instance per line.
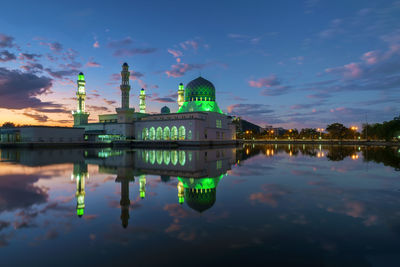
x=354 y=128
x=320 y=130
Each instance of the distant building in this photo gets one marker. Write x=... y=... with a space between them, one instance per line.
x=243 y=126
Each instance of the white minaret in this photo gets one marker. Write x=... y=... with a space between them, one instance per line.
x=125 y=87
x=125 y=114
x=142 y=101
x=181 y=95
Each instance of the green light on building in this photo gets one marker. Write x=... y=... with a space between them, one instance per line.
x=80 y=212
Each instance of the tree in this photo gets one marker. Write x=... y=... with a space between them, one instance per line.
x=8 y=125
x=339 y=131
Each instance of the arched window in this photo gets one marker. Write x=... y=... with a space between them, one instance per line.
x=174 y=157
x=182 y=133
x=182 y=157
x=145 y=134
x=174 y=133
x=166 y=133
x=189 y=137
x=159 y=156
x=159 y=133
x=152 y=133
x=167 y=157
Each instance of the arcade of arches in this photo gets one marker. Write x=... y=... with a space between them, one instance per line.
x=167 y=133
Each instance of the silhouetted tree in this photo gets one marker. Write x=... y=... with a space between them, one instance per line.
x=8 y=125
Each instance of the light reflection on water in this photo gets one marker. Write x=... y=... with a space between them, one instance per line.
x=268 y=204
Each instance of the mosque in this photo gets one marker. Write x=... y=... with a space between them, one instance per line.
x=198 y=118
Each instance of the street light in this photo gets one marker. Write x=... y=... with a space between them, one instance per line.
x=320 y=130
x=354 y=128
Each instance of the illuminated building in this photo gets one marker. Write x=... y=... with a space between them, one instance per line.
x=80 y=116
x=198 y=117
x=142 y=101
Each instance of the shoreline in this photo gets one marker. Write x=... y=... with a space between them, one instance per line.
x=183 y=144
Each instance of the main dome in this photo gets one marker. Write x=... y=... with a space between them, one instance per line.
x=200 y=89
x=199 y=96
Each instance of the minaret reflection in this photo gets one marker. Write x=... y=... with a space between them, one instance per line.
x=124 y=176
x=142 y=186
x=181 y=192
x=79 y=174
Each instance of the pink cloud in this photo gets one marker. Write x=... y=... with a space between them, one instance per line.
x=93 y=64
x=96 y=44
x=189 y=44
x=370 y=57
x=175 y=53
x=269 y=81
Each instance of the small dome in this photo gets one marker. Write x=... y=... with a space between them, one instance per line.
x=125 y=64
x=181 y=84
x=165 y=110
x=80 y=73
x=201 y=89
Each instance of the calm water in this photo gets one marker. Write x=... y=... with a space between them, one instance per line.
x=269 y=205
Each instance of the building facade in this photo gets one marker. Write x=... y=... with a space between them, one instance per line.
x=198 y=118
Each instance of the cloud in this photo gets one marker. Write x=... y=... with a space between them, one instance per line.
x=269 y=81
x=37 y=117
x=6 y=41
x=175 y=53
x=61 y=73
x=55 y=46
x=27 y=56
x=178 y=70
x=6 y=56
x=189 y=44
x=32 y=67
x=93 y=64
x=333 y=30
x=97 y=108
x=249 y=109
x=351 y=70
x=164 y=100
x=128 y=52
x=118 y=43
x=96 y=44
x=20 y=90
x=20 y=191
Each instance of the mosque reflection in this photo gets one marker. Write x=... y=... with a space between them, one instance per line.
x=197 y=172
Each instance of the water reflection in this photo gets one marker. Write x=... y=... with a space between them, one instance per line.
x=300 y=200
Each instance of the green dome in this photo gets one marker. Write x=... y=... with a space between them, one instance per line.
x=201 y=89
x=199 y=96
x=200 y=201
x=165 y=110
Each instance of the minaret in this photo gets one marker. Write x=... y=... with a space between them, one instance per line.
x=181 y=191
x=142 y=186
x=181 y=95
x=142 y=103
x=80 y=116
x=125 y=87
x=125 y=114
x=80 y=174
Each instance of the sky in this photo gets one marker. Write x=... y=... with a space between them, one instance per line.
x=291 y=64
